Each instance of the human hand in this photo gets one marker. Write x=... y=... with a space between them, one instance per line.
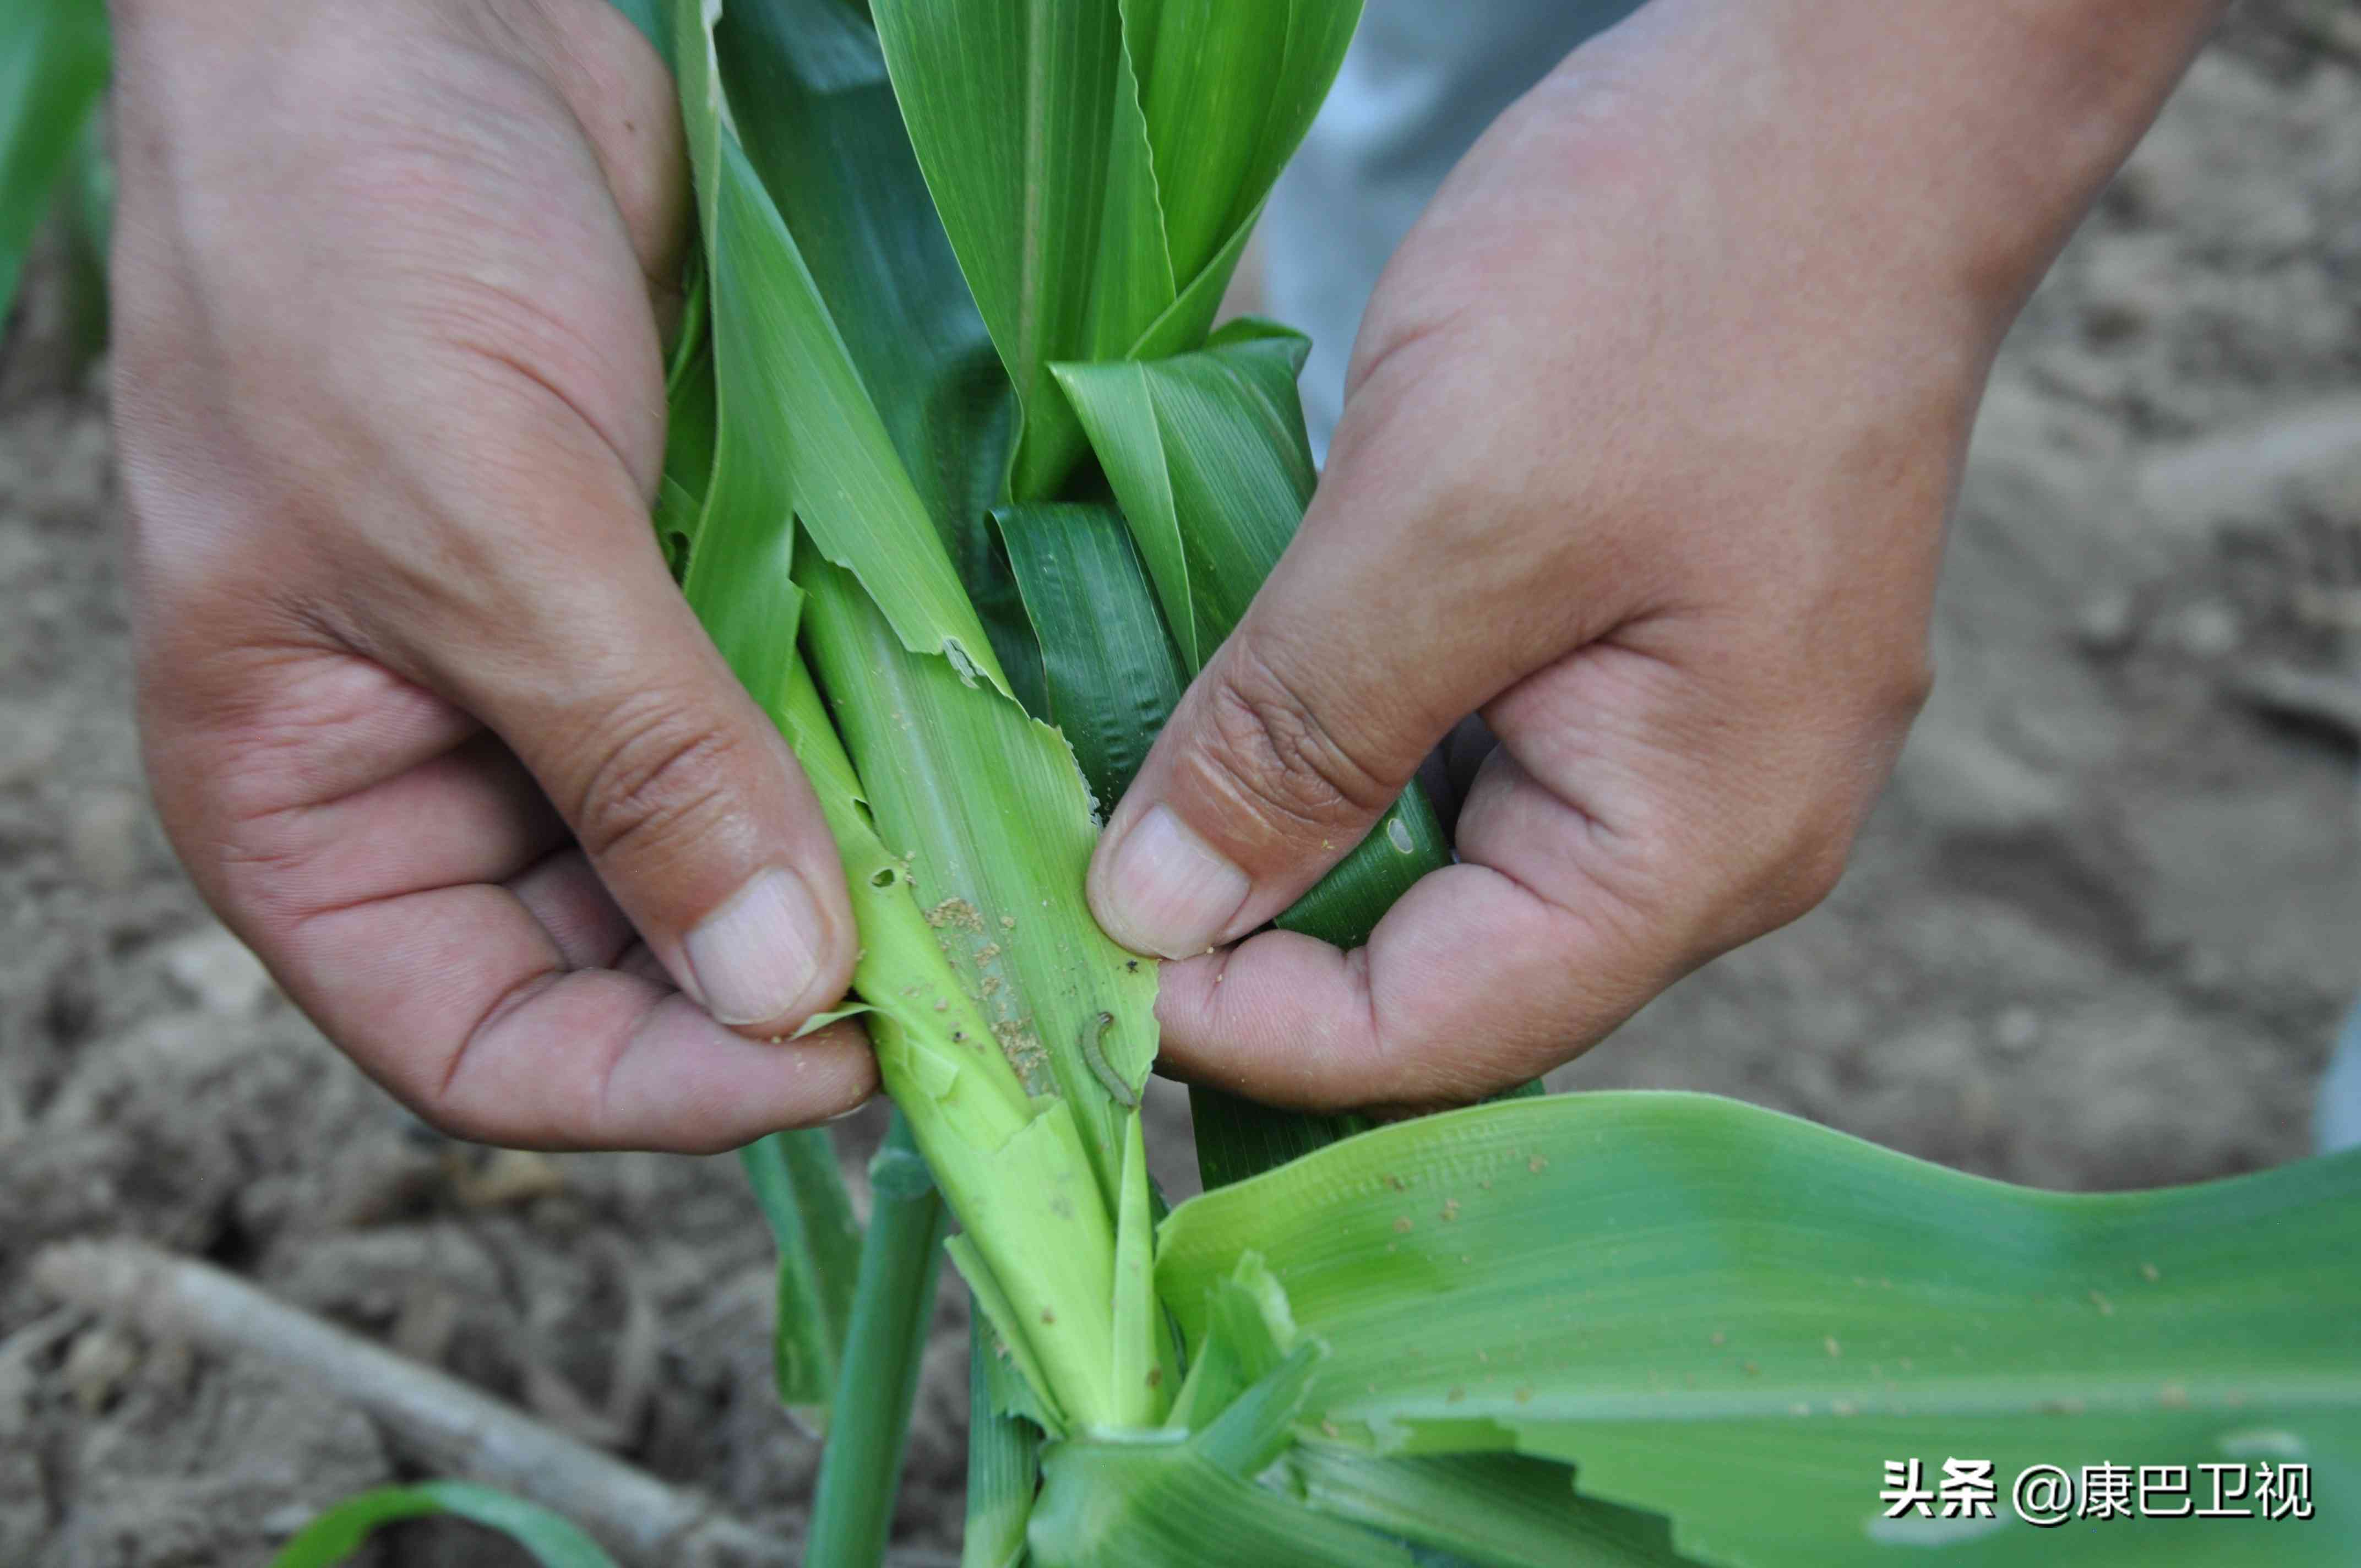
x=425 y=716
x=1651 y=431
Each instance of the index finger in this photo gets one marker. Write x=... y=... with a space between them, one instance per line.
x=1473 y=983
x=1638 y=820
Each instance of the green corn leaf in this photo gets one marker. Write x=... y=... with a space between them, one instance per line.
x=1248 y=1332
x=800 y=438
x=979 y=798
x=986 y=802
x=1016 y=1169
x=1027 y=122
x=1208 y=455
x=1004 y=1456
x=53 y=65
x=1346 y=905
x=336 y=1535
x=808 y=92
x=1171 y=1499
x=861 y=1469
x=1238 y=1138
x=1144 y=1366
x=1109 y=674
x=1726 y=1305
x=1501 y=1510
x=85 y=211
x=692 y=423
x=1157 y=1501
x=1255 y=1428
x=1053 y=160
x=1228 y=92
x=796 y=1180
x=990 y=799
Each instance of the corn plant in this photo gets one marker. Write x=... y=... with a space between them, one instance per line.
x=965 y=483
x=53 y=64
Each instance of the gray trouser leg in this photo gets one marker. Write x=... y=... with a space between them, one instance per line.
x=1423 y=80
x=2337 y=1116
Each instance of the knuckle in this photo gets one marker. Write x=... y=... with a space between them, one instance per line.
x=660 y=774
x=1267 y=745
x=1807 y=860
x=1905 y=684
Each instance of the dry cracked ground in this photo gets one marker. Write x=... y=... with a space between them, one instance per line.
x=2099 y=935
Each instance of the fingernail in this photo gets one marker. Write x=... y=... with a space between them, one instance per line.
x=1167 y=891
x=756 y=956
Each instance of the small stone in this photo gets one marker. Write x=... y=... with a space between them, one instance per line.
x=500 y=1178
x=2108 y=624
x=102 y=838
x=2016 y=1030
x=2205 y=969
x=2128 y=283
x=218 y=971
x=30 y=739
x=96 y=1366
x=2208 y=630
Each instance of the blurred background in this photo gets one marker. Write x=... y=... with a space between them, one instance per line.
x=2100 y=934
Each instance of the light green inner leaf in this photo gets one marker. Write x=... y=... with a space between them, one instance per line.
x=1004 y=1455
x=1726 y=1304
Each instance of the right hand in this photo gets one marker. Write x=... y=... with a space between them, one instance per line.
x=425 y=716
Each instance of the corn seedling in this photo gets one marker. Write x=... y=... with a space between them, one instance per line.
x=53 y=65
x=965 y=483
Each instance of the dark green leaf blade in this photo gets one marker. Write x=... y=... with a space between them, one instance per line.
x=1238 y=1138
x=1025 y=121
x=1111 y=673
x=813 y=105
x=801 y=1191
x=554 y=1541
x=800 y=438
x=1100 y=165
x=53 y=65
x=1207 y=453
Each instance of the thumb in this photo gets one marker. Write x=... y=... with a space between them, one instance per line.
x=688 y=803
x=1364 y=649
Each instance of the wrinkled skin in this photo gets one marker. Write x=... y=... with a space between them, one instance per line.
x=426 y=716
x=1649 y=436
